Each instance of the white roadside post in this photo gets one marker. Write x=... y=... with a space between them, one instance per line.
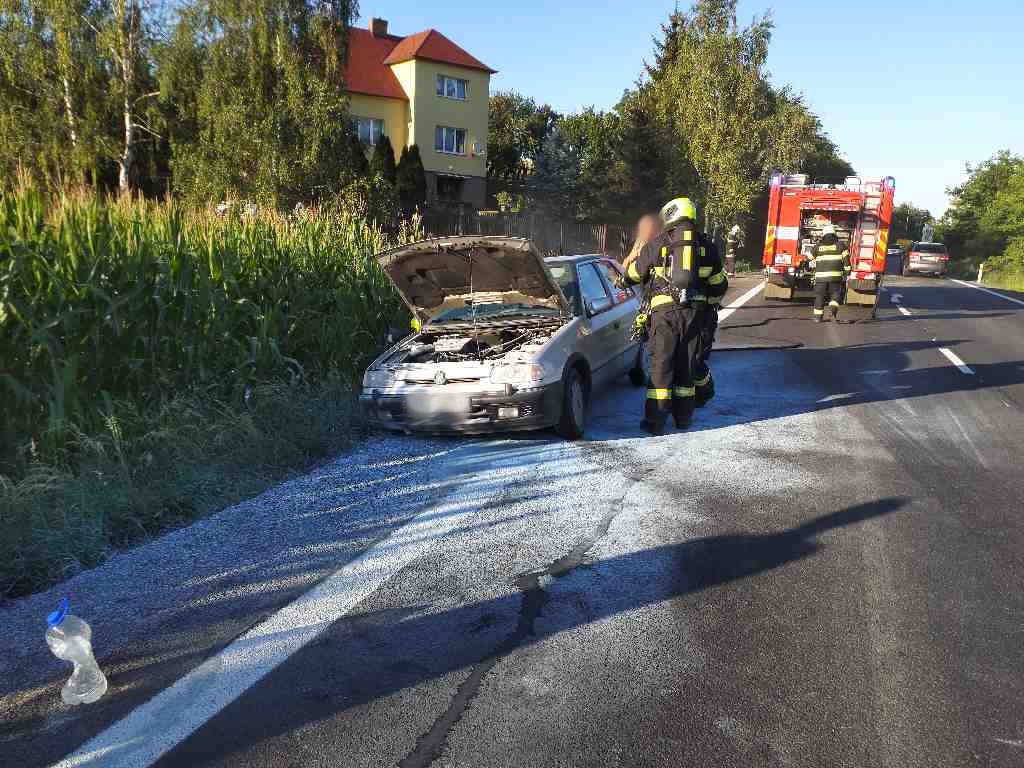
x=981 y=271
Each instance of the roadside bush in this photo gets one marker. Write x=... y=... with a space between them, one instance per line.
x=1007 y=269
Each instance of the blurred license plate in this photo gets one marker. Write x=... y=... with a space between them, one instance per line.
x=783 y=258
x=438 y=403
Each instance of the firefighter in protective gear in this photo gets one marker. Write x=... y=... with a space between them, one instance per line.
x=667 y=267
x=732 y=243
x=831 y=262
x=706 y=297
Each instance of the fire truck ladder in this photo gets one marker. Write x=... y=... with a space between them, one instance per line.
x=865 y=254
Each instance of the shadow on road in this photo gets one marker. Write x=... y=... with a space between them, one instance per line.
x=365 y=658
x=753 y=386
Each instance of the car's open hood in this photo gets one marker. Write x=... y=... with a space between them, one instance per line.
x=442 y=272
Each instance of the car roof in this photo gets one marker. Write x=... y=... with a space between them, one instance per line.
x=574 y=259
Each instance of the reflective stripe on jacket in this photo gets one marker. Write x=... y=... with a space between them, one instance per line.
x=831 y=260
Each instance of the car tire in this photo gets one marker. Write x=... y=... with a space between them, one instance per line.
x=573 y=420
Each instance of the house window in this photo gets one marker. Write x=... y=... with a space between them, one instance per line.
x=451 y=141
x=370 y=130
x=452 y=87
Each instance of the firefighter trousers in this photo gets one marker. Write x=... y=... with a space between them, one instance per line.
x=827 y=291
x=705 y=325
x=673 y=345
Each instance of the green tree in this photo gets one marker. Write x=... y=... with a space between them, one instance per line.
x=603 y=185
x=358 y=165
x=55 y=119
x=516 y=128
x=554 y=185
x=982 y=219
x=824 y=163
x=655 y=169
x=382 y=161
x=411 y=180
x=713 y=92
x=127 y=37
x=271 y=120
x=907 y=222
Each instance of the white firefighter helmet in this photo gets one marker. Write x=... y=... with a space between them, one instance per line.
x=828 y=229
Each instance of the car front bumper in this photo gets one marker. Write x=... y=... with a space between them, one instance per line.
x=537 y=408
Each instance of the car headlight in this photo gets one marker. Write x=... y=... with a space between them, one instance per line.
x=378 y=377
x=517 y=373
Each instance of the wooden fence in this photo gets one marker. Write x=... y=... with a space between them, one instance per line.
x=550 y=236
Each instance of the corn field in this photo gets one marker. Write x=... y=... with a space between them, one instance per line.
x=159 y=363
x=101 y=302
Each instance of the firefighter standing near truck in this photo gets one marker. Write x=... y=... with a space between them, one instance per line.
x=732 y=242
x=831 y=262
x=667 y=268
x=706 y=297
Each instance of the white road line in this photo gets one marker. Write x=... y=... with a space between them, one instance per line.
x=960 y=364
x=903 y=309
x=724 y=313
x=151 y=730
x=834 y=398
x=986 y=290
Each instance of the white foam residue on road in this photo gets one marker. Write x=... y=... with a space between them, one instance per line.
x=986 y=290
x=903 y=309
x=154 y=728
x=724 y=313
x=955 y=360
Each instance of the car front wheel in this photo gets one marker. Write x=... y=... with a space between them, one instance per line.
x=573 y=420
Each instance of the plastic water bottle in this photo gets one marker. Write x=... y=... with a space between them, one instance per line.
x=70 y=640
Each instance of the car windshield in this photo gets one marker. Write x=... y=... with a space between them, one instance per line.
x=490 y=311
x=930 y=248
x=565 y=276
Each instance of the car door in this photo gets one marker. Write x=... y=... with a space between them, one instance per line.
x=602 y=324
x=622 y=314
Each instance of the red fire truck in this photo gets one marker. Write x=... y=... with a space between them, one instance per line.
x=861 y=212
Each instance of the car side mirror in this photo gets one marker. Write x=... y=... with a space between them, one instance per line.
x=597 y=306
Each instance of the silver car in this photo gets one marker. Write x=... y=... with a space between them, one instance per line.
x=508 y=340
x=926 y=259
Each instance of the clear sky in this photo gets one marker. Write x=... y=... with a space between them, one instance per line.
x=913 y=89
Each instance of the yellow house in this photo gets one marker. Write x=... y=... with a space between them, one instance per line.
x=425 y=90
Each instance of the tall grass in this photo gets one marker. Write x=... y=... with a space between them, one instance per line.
x=1010 y=281
x=150 y=353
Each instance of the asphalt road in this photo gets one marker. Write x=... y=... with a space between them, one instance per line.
x=825 y=570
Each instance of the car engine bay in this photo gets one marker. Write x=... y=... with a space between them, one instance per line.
x=489 y=345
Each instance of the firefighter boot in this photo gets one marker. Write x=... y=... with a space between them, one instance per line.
x=834 y=306
x=652 y=428
x=683 y=406
x=704 y=390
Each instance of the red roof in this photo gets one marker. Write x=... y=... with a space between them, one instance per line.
x=431 y=44
x=366 y=71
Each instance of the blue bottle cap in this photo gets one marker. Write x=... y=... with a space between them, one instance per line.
x=55 y=618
